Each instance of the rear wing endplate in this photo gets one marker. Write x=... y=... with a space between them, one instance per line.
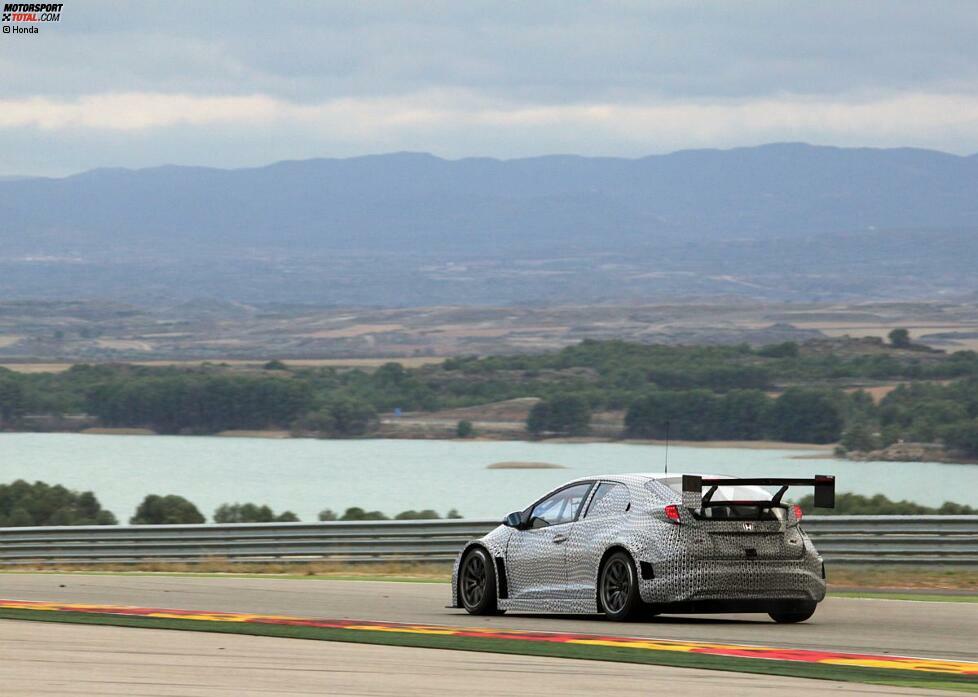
x=693 y=484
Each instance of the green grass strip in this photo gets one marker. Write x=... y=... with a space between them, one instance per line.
x=323 y=576
x=521 y=647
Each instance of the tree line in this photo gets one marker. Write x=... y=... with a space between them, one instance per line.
x=798 y=415
x=921 y=413
x=918 y=413
x=716 y=392
x=857 y=504
x=24 y=504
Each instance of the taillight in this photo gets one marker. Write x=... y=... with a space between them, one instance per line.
x=796 y=509
x=672 y=513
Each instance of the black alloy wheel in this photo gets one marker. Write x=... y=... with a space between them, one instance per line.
x=618 y=588
x=477 y=583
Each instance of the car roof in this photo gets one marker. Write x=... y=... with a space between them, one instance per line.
x=640 y=477
x=635 y=481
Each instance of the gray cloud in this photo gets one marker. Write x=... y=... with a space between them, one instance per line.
x=467 y=78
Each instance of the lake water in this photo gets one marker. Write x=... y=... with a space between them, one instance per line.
x=306 y=475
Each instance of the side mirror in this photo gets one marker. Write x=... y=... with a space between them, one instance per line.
x=514 y=520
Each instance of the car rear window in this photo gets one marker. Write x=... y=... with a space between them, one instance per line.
x=725 y=493
x=733 y=493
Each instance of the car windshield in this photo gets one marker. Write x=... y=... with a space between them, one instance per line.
x=561 y=507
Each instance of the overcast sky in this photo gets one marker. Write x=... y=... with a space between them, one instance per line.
x=235 y=83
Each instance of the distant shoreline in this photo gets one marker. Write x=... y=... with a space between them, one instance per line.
x=277 y=434
x=744 y=444
x=806 y=451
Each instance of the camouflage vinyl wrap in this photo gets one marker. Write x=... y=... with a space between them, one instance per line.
x=725 y=561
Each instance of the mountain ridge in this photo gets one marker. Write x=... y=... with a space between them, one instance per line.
x=503 y=160
x=707 y=212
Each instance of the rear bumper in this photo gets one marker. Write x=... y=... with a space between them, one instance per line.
x=734 y=584
x=709 y=607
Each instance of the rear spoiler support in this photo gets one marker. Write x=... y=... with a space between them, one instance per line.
x=693 y=484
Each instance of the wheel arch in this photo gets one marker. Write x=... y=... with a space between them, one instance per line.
x=475 y=544
x=612 y=548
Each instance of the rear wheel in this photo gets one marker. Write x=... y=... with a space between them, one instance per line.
x=618 y=588
x=793 y=616
x=477 y=583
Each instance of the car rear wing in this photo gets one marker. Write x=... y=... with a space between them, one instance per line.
x=693 y=496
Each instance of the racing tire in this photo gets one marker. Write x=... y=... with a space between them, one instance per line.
x=477 y=583
x=618 y=596
x=792 y=617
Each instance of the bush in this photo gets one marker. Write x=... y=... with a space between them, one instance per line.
x=251 y=513
x=900 y=338
x=787 y=349
x=23 y=504
x=688 y=415
x=805 y=416
x=166 y=510
x=426 y=514
x=340 y=418
x=563 y=414
x=12 y=400
x=175 y=402
x=741 y=415
x=357 y=513
x=860 y=437
x=464 y=429
x=857 y=504
x=963 y=436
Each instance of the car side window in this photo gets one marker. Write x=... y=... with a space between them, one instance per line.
x=609 y=498
x=562 y=507
x=575 y=496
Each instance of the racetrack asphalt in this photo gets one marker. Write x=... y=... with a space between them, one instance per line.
x=926 y=629
x=40 y=658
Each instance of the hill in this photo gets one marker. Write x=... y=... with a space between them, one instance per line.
x=783 y=221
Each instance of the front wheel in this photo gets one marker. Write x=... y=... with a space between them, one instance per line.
x=477 y=583
x=618 y=588
x=792 y=617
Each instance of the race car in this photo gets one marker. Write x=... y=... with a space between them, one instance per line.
x=631 y=545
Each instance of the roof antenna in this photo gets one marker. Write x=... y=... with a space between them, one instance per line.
x=667 y=447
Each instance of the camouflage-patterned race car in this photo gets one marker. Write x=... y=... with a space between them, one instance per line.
x=632 y=544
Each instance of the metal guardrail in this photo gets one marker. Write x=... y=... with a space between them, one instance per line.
x=897 y=539
x=840 y=539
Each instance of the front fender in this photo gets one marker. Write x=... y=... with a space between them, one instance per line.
x=494 y=543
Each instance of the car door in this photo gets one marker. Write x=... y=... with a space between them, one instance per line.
x=596 y=529
x=536 y=563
